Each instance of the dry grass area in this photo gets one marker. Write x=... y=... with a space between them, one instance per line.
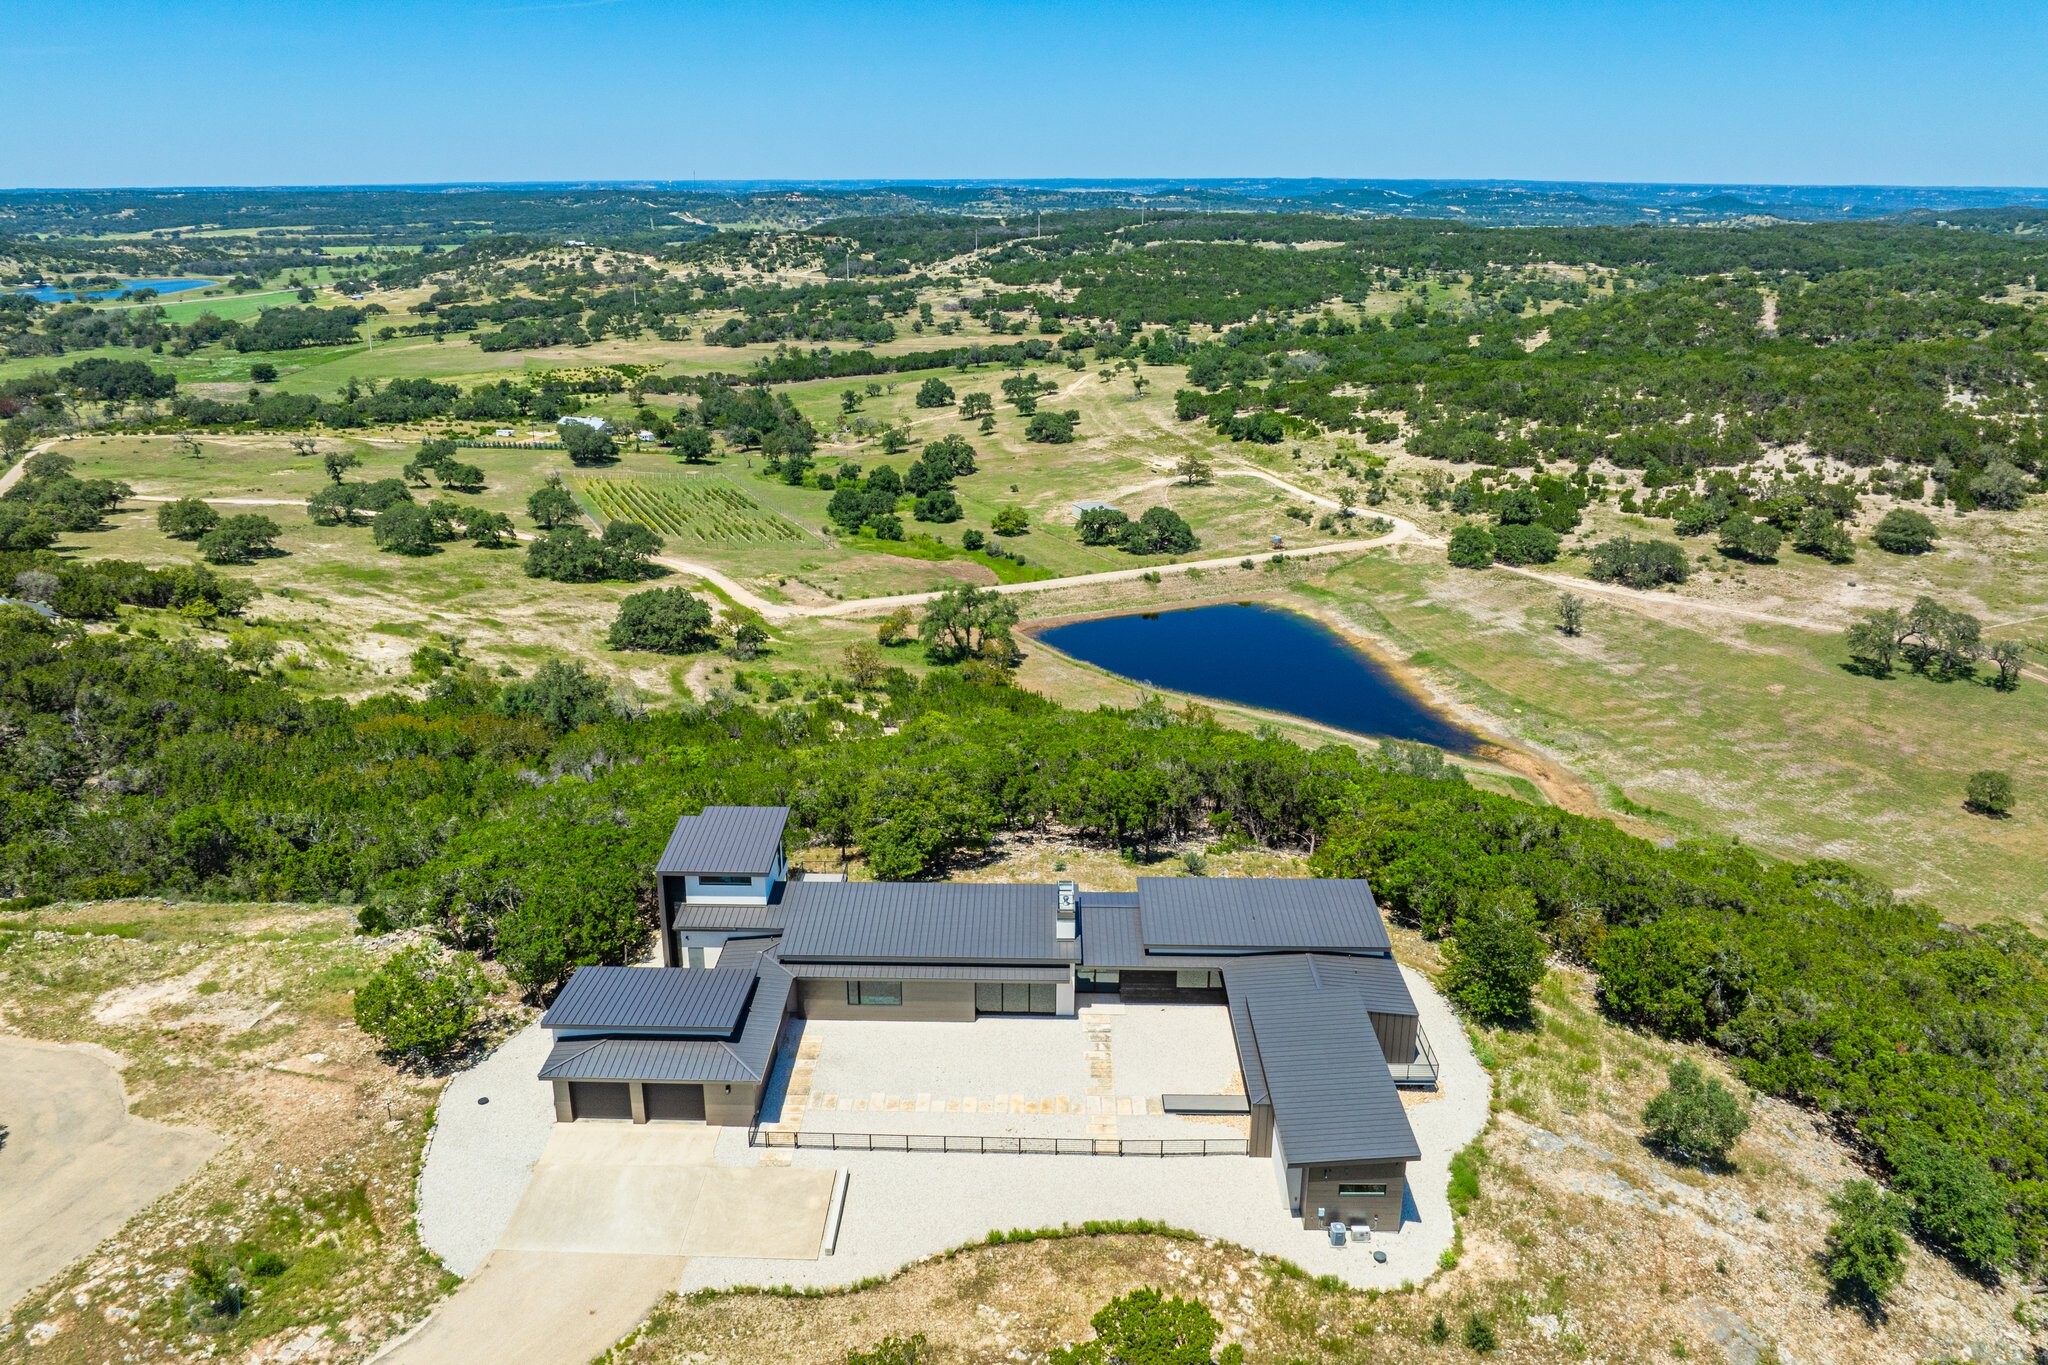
x=236 y=1019
x=1581 y=1245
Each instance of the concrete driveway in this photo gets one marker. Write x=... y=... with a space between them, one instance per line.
x=603 y=1228
x=653 y=1189
x=76 y=1164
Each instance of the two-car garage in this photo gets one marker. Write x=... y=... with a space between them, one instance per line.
x=660 y=1102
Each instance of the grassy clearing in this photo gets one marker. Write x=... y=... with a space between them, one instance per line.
x=1709 y=725
x=234 y=1018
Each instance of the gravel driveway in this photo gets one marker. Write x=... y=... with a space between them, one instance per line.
x=482 y=1154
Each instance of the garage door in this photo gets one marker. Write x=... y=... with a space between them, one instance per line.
x=676 y=1103
x=600 y=1100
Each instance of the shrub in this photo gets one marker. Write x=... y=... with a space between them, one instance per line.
x=1989 y=792
x=239 y=539
x=1161 y=531
x=1956 y=1203
x=1744 y=537
x=1525 y=544
x=1496 y=958
x=186 y=519
x=972 y=540
x=1100 y=525
x=2001 y=487
x=1696 y=1118
x=1010 y=521
x=934 y=393
x=263 y=372
x=910 y=1350
x=1480 y=1335
x=1144 y=1327
x=1905 y=532
x=664 y=621
x=587 y=444
x=1472 y=546
x=1052 y=428
x=561 y=696
x=1638 y=563
x=407 y=529
x=1865 y=1252
x=422 y=1002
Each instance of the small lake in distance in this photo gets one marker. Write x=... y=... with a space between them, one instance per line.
x=1264 y=657
x=57 y=293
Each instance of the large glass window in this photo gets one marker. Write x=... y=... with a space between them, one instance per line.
x=874 y=992
x=1198 y=980
x=725 y=881
x=1015 y=997
x=1361 y=1191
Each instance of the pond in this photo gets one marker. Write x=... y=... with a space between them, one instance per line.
x=1264 y=657
x=55 y=293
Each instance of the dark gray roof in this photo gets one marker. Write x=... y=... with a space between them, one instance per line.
x=1115 y=900
x=746 y=1057
x=767 y=919
x=652 y=1000
x=726 y=841
x=920 y=922
x=919 y=971
x=1375 y=980
x=1259 y=914
x=1306 y=1046
x=1109 y=935
x=643 y=1059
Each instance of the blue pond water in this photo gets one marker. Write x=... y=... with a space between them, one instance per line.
x=1263 y=657
x=51 y=293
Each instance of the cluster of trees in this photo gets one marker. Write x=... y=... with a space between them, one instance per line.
x=787 y=365
x=238 y=538
x=874 y=502
x=1935 y=639
x=570 y=554
x=1157 y=531
x=92 y=590
x=437 y=457
x=49 y=499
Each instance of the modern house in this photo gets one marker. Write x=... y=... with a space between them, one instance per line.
x=1324 y=1027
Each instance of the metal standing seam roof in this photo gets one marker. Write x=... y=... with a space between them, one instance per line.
x=768 y=918
x=1333 y=1098
x=1375 y=980
x=920 y=971
x=746 y=1058
x=726 y=841
x=1109 y=935
x=1260 y=913
x=652 y=1000
x=920 y=922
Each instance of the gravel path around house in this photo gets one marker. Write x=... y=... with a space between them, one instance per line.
x=902 y=1208
x=481 y=1156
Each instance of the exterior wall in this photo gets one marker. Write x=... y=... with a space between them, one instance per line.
x=1262 y=1139
x=924 y=1002
x=1321 y=1205
x=1396 y=1034
x=564 y=1112
x=731 y=1106
x=1288 y=1176
x=1064 y=1007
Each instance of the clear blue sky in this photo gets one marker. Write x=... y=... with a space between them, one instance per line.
x=222 y=92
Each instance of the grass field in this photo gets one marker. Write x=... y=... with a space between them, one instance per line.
x=1710 y=726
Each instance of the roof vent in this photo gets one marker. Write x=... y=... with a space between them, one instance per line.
x=1064 y=922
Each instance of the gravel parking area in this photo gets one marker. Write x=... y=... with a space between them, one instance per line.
x=900 y=1208
x=1100 y=1074
x=493 y=1122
